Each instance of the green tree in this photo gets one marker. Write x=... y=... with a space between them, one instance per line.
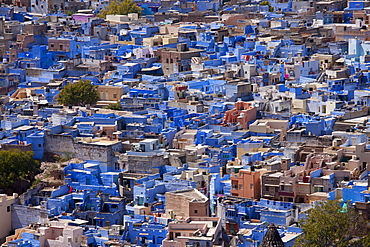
x=123 y=7
x=265 y=3
x=80 y=93
x=69 y=12
x=114 y=106
x=330 y=224
x=268 y=4
x=17 y=169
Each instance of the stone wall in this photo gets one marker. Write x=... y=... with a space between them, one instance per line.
x=179 y=204
x=58 y=144
x=355 y=114
x=103 y=154
x=23 y=148
x=23 y=216
x=142 y=163
x=26 y=198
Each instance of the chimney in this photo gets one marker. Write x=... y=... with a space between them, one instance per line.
x=35 y=110
x=285 y=164
x=182 y=47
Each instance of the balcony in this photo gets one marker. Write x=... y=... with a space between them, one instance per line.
x=268 y=195
x=285 y=193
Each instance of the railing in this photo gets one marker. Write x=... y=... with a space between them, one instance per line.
x=283 y=193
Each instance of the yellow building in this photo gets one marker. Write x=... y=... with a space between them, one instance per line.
x=160 y=40
x=6 y=215
x=110 y=93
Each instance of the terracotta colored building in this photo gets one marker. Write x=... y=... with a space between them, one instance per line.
x=243 y=113
x=246 y=184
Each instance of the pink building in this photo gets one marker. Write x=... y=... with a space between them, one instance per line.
x=83 y=17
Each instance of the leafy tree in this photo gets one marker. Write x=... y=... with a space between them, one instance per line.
x=17 y=168
x=117 y=7
x=114 y=106
x=330 y=224
x=69 y=12
x=80 y=93
x=265 y=3
x=268 y=4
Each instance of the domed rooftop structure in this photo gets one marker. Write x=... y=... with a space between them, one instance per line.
x=272 y=237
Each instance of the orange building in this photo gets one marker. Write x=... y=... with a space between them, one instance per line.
x=243 y=113
x=246 y=184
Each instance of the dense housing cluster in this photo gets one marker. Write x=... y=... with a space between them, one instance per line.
x=216 y=123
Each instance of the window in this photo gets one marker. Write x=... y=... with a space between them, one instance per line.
x=195 y=211
x=39 y=145
x=251 y=186
x=240 y=186
x=318 y=189
x=116 y=166
x=8 y=209
x=115 y=96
